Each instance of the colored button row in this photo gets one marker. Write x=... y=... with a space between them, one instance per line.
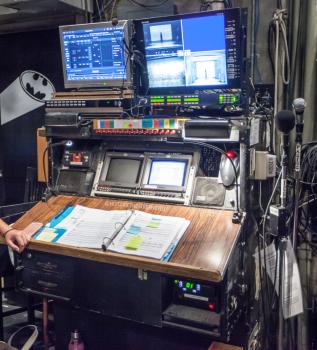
x=137 y=131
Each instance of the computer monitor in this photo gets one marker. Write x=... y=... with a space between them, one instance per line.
x=167 y=172
x=191 y=52
x=94 y=55
x=121 y=169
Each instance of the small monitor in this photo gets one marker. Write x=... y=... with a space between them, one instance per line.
x=95 y=55
x=167 y=172
x=190 y=52
x=121 y=169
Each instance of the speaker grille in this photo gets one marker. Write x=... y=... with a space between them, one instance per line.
x=208 y=192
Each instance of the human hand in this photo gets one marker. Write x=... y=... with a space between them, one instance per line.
x=17 y=240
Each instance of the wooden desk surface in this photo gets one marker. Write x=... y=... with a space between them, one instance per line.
x=202 y=253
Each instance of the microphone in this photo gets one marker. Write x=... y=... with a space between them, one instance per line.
x=285 y=122
x=114 y=21
x=299 y=105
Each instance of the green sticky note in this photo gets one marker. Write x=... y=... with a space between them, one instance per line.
x=153 y=224
x=134 y=242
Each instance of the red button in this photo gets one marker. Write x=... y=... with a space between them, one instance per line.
x=231 y=154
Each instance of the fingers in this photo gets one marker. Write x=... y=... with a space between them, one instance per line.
x=17 y=240
x=20 y=241
x=13 y=246
x=26 y=239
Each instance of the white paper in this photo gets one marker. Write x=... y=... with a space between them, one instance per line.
x=155 y=240
x=291 y=288
x=254 y=131
x=90 y=228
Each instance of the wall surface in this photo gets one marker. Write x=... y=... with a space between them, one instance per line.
x=38 y=51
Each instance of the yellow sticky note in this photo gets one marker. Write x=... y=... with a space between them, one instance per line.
x=134 y=242
x=47 y=235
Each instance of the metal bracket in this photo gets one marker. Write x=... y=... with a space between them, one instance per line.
x=142 y=275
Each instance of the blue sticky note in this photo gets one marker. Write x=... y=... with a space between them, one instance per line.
x=61 y=216
x=134 y=230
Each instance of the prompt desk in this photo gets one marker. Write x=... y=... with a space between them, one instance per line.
x=195 y=291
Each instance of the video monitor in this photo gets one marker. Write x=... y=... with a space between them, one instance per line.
x=186 y=53
x=121 y=169
x=166 y=172
x=95 y=55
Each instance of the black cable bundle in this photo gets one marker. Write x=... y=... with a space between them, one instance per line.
x=308 y=193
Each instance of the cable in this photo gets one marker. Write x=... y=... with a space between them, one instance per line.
x=44 y=168
x=112 y=8
x=205 y=5
x=281 y=57
x=264 y=235
x=98 y=8
x=148 y=6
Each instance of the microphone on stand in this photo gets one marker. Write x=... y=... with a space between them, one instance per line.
x=299 y=105
x=285 y=122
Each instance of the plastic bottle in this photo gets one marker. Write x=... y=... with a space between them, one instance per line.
x=75 y=342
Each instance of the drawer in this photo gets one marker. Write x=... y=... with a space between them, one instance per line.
x=46 y=283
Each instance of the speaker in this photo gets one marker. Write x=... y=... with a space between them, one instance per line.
x=75 y=181
x=208 y=191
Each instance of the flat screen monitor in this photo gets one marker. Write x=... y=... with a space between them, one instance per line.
x=94 y=55
x=186 y=53
x=121 y=169
x=166 y=172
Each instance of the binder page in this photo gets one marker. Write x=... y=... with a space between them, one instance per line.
x=89 y=227
x=148 y=235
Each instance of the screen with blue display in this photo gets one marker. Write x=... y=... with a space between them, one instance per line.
x=93 y=54
x=186 y=52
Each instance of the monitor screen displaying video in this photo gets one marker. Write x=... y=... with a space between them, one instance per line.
x=94 y=55
x=178 y=54
x=123 y=170
x=186 y=53
x=167 y=172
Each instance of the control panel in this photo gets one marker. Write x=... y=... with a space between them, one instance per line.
x=147 y=127
x=213 y=99
x=93 y=101
x=81 y=159
x=196 y=294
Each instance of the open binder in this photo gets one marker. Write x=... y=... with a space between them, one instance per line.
x=121 y=231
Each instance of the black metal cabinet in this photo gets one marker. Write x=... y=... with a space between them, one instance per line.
x=119 y=292
x=45 y=274
x=110 y=290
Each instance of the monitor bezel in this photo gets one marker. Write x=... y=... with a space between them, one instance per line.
x=124 y=155
x=143 y=84
x=163 y=157
x=106 y=84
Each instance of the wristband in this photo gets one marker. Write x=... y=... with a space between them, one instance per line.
x=7 y=231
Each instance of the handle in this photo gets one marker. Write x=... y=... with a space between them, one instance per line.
x=27 y=345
